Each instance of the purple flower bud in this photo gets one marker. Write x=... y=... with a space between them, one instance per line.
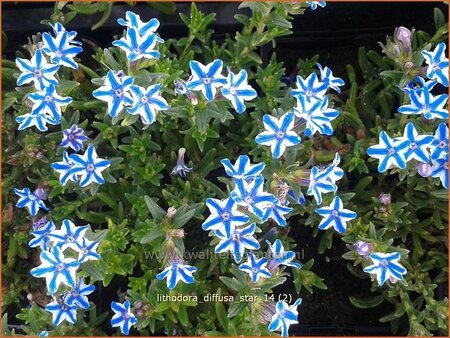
x=40 y=193
x=424 y=169
x=403 y=35
x=385 y=199
x=363 y=248
x=39 y=223
x=181 y=168
x=266 y=312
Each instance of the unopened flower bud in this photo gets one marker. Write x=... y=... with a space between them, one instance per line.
x=137 y=304
x=403 y=35
x=385 y=199
x=171 y=212
x=40 y=193
x=424 y=169
x=363 y=248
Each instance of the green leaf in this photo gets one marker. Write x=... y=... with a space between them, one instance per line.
x=365 y=303
x=157 y=212
x=7 y=103
x=236 y=308
x=163 y=7
x=440 y=194
x=221 y=313
x=182 y=217
x=106 y=14
x=439 y=19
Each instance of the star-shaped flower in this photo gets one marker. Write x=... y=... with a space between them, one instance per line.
x=49 y=102
x=61 y=312
x=36 y=119
x=69 y=236
x=237 y=90
x=238 y=241
x=437 y=64
x=439 y=146
x=310 y=87
x=73 y=138
x=56 y=269
x=320 y=182
x=89 y=166
x=316 y=114
x=147 y=102
x=177 y=272
x=278 y=134
x=87 y=250
x=284 y=316
x=386 y=266
x=276 y=211
x=206 y=78
x=424 y=103
x=389 y=152
x=123 y=317
x=335 y=216
x=281 y=257
x=115 y=92
x=29 y=200
x=251 y=195
x=256 y=268
x=60 y=48
x=326 y=76
x=314 y=4
x=143 y=28
x=37 y=70
x=418 y=144
x=242 y=168
x=440 y=169
x=138 y=47
x=78 y=295
x=41 y=236
x=64 y=169
x=224 y=216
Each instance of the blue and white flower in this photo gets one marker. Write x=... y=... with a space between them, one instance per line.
x=386 y=266
x=49 y=102
x=147 y=102
x=437 y=64
x=115 y=92
x=39 y=120
x=256 y=268
x=316 y=114
x=281 y=257
x=73 y=138
x=37 y=70
x=285 y=315
x=439 y=146
x=58 y=28
x=133 y=21
x=237 y=90
x=310 y=87
x=87 y=250
x=138 y=47
x=238 y=241
x=206 y=78
x=251 y=195
x=276 y=211
x=56 y=269
x=69 y=235
x=176 y=272
x=64 y=169
x=224 y=216
x=424 y=103
x=439 y=169
x=418 y=144
x=41 y=236
x=60 y=48
x=78 y=295
x=30 y=201
x=389 y=152
x=335 y=216
x=326 y=76
x=320 y=182
x=123 y=317
x=278 y=134
x=89 y=167
x=61 y=312
x=243 y=168
x=314 y=4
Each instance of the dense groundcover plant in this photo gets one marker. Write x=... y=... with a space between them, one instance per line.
x=174 y=169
